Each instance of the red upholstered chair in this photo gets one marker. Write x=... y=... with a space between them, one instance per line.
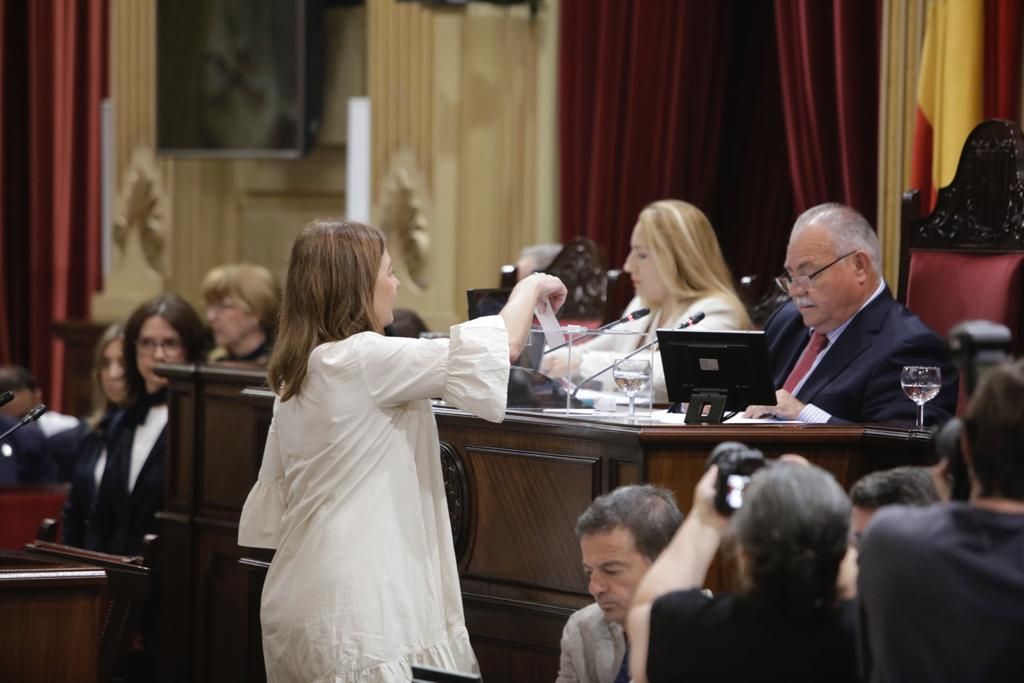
x=22 y=507
x=965 y=260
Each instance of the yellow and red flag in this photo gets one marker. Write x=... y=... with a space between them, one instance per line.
x=950 y=92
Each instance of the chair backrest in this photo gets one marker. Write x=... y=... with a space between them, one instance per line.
x=581 y=266
x=965 y=260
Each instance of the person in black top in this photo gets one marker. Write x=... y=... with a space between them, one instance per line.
x=941 y=588
x=109 y=394
x=165 y=329
x=788 y=623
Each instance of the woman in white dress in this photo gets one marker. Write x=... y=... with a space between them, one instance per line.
x=677 y=270
x=364 y=581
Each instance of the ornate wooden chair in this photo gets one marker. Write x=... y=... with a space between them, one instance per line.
x=965 y=260
x=596 y=294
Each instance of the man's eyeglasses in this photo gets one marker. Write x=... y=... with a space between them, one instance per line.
x=148 y=347
x=805 y=282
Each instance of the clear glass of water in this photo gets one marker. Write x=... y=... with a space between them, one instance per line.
x=921 y=383
x=632 y=375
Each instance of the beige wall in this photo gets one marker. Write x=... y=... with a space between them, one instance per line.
x=462 y=105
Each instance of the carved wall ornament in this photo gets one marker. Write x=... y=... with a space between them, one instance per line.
x=404 y=216
x=141 y=209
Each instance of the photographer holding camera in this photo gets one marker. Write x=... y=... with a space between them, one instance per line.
x=788 y=623
x=942 y=588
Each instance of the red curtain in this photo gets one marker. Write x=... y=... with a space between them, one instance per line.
x=1003 y=21
x=54 y=76
x=753 y=111
x=640 y=94
x=829 y=61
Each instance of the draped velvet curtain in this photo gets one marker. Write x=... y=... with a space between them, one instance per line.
x=753 y=111
x=53 y=77
x=641 y=87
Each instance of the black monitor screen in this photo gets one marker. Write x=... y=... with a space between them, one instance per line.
x=486 y=301
x=734 y=364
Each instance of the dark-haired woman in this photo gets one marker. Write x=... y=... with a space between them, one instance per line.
x=165 y=329
x=364 y=582
x=788 y=624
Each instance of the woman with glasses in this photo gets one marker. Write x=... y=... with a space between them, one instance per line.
x=165 y=329
x=678 y=270
x=242 y=300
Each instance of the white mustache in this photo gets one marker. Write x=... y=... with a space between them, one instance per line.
x=802 y=301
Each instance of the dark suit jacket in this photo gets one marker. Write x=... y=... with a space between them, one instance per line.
x=858 y=380
x=24 y=455
x=121 y=518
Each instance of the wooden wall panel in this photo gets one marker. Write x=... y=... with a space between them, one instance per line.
x=525 y=507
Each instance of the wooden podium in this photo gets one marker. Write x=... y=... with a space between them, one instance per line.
x=514 y=492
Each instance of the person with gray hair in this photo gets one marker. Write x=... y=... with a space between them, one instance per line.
x=837 y=348
x=787 y=623
x=621 y=534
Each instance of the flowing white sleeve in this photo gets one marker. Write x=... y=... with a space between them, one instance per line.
x=260 y=524
x=478 y=367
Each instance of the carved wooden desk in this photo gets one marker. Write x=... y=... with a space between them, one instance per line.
x=514 y=490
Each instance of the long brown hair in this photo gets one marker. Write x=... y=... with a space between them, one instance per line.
x=328 y=296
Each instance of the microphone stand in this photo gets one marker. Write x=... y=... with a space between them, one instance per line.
x=30 y=416
x=635 y=315
x=692 y=320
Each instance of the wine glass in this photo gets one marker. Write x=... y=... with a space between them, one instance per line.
x=921 y=383
x=632 y=375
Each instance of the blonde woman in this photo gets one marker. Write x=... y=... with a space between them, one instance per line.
x=677 y=270
x=364 y=582
x=242 y=300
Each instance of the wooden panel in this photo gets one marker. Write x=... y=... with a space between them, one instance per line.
x=514 y=641
x=228 y=435
x=50 y=618
x=525 y=507
x=176 y=586
x=222 y=598
x=181 y=437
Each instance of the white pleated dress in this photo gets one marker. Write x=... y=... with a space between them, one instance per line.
x=364 y=581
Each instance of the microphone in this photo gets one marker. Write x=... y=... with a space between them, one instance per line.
x=629 y=317
x=30 y=416
x=689 y=322
x=6 y=397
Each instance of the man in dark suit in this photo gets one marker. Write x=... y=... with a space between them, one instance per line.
x=838 y=347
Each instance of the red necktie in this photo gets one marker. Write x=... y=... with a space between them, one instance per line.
x=803 y=365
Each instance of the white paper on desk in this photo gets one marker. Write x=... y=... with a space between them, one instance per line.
x=549 y=323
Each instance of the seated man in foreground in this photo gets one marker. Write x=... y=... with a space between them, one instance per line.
x=621 y=534
x=942 y=587
x=838 y=347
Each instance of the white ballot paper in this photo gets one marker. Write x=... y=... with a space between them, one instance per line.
x=552 y=331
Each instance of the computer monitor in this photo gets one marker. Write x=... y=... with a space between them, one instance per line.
x=483 y=302
x=715 y=371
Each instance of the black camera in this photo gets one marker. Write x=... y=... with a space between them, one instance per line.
x=976 y=346
x=736 y=463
